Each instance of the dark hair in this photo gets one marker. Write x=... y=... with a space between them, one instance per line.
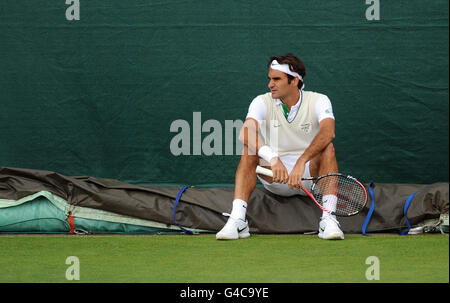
x=295 y=65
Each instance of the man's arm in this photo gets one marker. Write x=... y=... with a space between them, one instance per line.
x=249 y=136
x=323 y=138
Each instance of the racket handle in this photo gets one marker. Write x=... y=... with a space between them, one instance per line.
x=264 y=171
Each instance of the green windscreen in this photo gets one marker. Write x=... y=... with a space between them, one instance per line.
x=154 y=91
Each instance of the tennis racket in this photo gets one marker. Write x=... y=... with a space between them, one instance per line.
x=335 y=193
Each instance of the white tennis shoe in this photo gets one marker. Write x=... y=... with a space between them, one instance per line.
x=329 y=229
x=234 y=229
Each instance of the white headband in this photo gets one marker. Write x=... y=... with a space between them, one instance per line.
x=285 y=69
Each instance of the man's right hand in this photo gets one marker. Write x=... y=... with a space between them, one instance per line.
x=280 y=174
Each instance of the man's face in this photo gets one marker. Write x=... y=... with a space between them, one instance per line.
x=278 y=84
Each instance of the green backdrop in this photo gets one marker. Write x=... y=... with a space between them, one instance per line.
x=97 y=96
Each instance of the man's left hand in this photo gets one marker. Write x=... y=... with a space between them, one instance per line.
x=295 y=177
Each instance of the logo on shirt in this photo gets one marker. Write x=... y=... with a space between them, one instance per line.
x=306 y=127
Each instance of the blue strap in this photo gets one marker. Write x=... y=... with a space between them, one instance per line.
x=405 y=210
x=175 y=209
x=369 y=214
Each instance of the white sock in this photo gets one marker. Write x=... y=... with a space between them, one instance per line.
x=329 y=202
x=239 y=209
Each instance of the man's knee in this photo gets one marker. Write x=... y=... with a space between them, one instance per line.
x=328 y=154
x=249 y=160
x=329 y=150
x=249 y=157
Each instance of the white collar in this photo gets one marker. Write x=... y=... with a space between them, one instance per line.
x=297 y=105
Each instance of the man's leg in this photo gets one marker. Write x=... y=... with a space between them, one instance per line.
x=245 y=182
x=245 y=178
x=323 y=164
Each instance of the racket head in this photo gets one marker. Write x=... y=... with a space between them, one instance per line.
x=339 y=194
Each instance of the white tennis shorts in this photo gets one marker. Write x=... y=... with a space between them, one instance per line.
x=284 y=189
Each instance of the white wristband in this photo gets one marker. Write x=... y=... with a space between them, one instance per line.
x=266 y=153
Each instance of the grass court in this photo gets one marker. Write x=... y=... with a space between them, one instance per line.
x=203 y=259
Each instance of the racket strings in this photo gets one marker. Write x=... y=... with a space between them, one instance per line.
x=339 y=194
